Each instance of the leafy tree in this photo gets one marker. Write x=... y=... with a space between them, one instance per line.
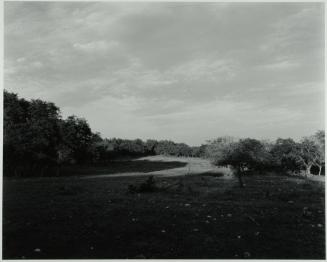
x=309 y=153
x=31 y=134
x=43 y=132
x=243 y=155
x=165 y=147
x=216 y=149
x=202 y=151
x=182 y=149
x=292 y=156
x=138 y=147
x=77 y=138
x=150 y=146
x=319 y=140
x=195 y=151
x=15 y=124
x=97 y=149
x=284 y=154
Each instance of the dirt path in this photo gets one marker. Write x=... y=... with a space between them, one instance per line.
x=194 y=166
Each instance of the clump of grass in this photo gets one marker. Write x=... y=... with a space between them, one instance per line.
x=147 y=186
x=307 y=186
x=213 y=174
x=69 y=190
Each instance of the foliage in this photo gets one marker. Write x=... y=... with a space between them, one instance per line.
x=31 y=133
x=36 y=138
x=146 y=187
x=284 y=155
x=150 y=146
x=294 y=157
x=165 y=147
x=310 y=152
x=77 y=137
x=244 y=155
x=218 y=150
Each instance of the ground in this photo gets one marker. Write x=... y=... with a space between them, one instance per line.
x=201 y=213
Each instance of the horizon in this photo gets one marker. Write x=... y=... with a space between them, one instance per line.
x=186 y=72
x=177 y=142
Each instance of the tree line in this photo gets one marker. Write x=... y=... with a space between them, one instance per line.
x=284 y=155
x=37 y=141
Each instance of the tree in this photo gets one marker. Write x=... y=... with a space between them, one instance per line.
x=182 y=149
x=310 y=152
x=138 y=147
x=319 y=140
x=242 y=156
x=97 y=149
x=165 y=147
x=77 y=137
x=15 y=124
x=150 y=146
x=31 y=134
x=202 y=151
x=43 y=132
x=195 y=151
x=284 y=155
x=218 y=148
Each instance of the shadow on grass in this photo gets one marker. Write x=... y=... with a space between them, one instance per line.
x=115 y=167
x=212 y=174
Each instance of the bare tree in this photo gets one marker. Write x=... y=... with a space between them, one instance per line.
x=311 y=152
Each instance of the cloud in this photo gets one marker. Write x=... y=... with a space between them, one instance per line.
x=282 y=65
x=207 y=69
x=166 y=61
x=95 y=46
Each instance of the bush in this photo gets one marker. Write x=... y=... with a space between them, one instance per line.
x=146 y=187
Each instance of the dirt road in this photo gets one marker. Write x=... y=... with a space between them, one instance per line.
x=194 y=166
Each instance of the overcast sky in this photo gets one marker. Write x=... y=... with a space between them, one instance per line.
x=182 y=71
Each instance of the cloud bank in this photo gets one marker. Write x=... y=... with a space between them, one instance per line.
x=182 y=71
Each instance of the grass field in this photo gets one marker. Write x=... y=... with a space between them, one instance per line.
x=94 y=216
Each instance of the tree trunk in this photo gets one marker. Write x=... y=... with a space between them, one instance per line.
x=308 y=170
x=240 y=180
x=320 y=167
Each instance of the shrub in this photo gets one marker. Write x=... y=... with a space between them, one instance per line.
x=146 y=187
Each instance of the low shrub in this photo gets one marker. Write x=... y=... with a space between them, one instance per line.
x=146 y=187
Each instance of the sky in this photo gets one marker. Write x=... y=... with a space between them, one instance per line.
x=188 y=72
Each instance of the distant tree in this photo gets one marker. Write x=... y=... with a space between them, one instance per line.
x=202 y=150
x=43 y=132
x=284 y=155
x=293 y=156
x=319 y=140
x=139 y=147
x=108 y=149
x=15 y=125
x=165 y=147
x=305 y=152
x=31 y=134
x=77 y=138
x=310 y=152
x=216 y=149
x=97 y=149
x=182 y=149
x=150 y=145
x=243 y=155
x=195 y=151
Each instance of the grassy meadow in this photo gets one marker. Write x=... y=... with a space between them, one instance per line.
x=198 y=211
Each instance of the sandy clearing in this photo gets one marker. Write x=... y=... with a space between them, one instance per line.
x=194 y=166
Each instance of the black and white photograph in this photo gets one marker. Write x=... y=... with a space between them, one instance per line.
x=163 y=130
